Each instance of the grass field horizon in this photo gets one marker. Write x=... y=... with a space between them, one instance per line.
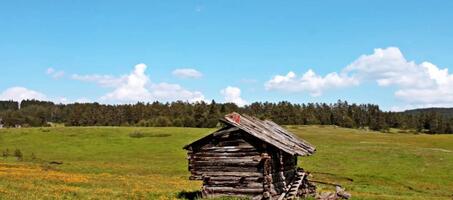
x=112 y=162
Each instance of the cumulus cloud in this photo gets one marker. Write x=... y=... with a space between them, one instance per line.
x=187 y=73
x=137 y=86
x=133 y=88
x=54 y=73
x=21 y=93
x=420 y=85
x=233 y=95
x=423 y=84
x=310 y=81
x=389 y=67
x=173 y=92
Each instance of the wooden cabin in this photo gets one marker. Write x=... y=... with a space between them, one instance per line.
x=248 y=157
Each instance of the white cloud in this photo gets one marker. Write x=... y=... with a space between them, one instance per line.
x=54 y=74
x=21 y=93
x=233 y=95
x=310 y=81
x=438 y=96
x=388 y=67
x=173 y=92
x=65 y=100
x=137 y=86
x=187 y=73
x=419 y=85
x=133 y=88
x=103 y=80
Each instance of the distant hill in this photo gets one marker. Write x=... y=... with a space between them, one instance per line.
x=446 y=112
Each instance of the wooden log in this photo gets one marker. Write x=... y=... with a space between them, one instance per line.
x=226 y=154
x=233 y=184
x=226 y=169
x=246 y=196
x=234 y=178
x=234 y=190
x=226 y=163
x=229 y=149
x=236 y=182
x=227 y=142
x=282 y=169
x=232 y=174
x=267 y=168
x=228 y=158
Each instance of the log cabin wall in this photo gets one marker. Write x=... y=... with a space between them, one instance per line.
x=247 y=157
x=228 y=164
x=283 y=170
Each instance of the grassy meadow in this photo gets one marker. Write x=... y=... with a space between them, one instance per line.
x=117 y=163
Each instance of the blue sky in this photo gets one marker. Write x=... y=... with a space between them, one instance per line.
x=392 y=53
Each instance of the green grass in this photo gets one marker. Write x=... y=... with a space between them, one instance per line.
x=149 y=163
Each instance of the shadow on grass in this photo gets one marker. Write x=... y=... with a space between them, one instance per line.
x=191 y=195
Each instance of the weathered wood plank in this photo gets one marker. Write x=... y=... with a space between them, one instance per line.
x=229 y=149
x=227 y=143
x=219 y=195
x=234 y=190
x=236 y=174
x=224 y=162
x=233 y=184
x=291 y=136
x=226 y=154
x=262 y=133
x=235 y=178
x=255 y=158
x=226 y=169
x=270 y=134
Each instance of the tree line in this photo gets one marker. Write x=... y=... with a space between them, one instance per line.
x=35 y=113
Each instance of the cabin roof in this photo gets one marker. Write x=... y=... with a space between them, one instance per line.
x=266 y=131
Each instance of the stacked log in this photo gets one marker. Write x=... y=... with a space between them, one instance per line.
x=228 y=165
x=247 y=157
